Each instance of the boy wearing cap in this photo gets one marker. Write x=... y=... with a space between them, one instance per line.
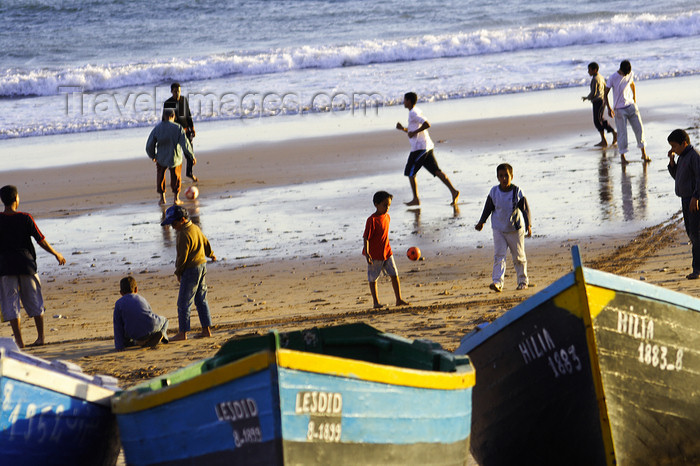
x=193 y=248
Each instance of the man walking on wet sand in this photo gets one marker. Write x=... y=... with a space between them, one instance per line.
x=165 y=146
x=625 y=109
x=421 y=150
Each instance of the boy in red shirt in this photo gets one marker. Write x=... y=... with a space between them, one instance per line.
x=377 y=248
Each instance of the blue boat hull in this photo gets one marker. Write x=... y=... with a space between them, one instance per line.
x=239 y=423
x=42 y=427
x=233 y=423
x=349 y=421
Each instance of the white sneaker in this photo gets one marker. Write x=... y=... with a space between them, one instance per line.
x=496 y=287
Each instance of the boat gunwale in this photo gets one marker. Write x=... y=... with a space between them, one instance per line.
x=53 y=380
x=133 y=400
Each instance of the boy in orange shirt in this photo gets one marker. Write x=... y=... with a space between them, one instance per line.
x=377 y=249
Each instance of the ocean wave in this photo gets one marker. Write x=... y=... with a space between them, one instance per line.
x=19 y=82
x=117 y=120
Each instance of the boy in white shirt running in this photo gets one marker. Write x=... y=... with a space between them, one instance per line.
x=421 y=150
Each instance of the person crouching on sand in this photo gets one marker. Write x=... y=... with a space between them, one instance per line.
x=193 y=248
x=134 y=321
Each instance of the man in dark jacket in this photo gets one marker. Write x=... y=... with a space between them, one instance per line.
x=183 y=117
x=686 y=171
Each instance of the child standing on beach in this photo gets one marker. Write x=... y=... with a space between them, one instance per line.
x=510 y=221
x=377 y=249
x=134 y=321
x=18 y=271
x=596 y=97
x=193 y=248
x=686 y=171
x=421 y=150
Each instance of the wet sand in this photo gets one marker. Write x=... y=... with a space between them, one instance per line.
x=286 y=218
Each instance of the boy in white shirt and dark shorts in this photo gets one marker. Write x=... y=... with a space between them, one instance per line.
x=421 y=150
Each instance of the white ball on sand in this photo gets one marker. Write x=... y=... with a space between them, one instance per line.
x=192 y=193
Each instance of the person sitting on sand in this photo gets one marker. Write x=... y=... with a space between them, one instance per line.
x=596 y=97
x=18 y=270
x=134 y=321
x=377 y=249
x=421 y=150
x=625 y=109
x=193 y=248
x=510 y=214
x=165 y=146
x=686 y=172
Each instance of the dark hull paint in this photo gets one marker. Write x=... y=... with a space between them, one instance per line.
x=262 y=454
x=654 y=411
x=637 y=399
x=525 y=413
x=353 y=454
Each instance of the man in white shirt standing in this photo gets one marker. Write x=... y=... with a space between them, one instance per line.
x=421 y=150
x=625 y=108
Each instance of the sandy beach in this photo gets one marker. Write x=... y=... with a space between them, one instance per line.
x=286 y=219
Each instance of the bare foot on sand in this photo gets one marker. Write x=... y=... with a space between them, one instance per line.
x=413 y=202
x=645 y=157
x=401 y=302
x=614 y=139
x=602 y=144
x=455 y=198
x=623 y=159
x=177 y=201
x=379 y=306
x=206 y=332
x=38 y=342
x=162 y=200
x=179 y=337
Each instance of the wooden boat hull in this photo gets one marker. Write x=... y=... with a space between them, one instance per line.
x=49 y=418
x=293 y=407
x=595 y=369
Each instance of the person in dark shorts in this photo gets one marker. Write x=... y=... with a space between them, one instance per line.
x=421 y=150
x=19 y=280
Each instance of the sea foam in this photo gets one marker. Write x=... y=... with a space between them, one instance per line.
x=23 y=82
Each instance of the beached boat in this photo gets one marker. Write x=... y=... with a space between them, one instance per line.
x=595 y=369
x=348 y=394
x=54 y=414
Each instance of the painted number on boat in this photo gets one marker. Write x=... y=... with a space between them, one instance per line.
x=657 y=356
x=325 y=410
x=29 y=421
x=540 y=344
x=243 y=417
x=641 y=327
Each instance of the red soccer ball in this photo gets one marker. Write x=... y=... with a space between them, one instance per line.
x=413 y=253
